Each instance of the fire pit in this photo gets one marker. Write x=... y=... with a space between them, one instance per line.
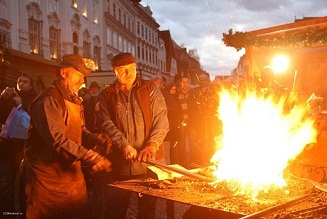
x=298 y=197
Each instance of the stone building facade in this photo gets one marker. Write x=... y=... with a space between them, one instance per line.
x=37 y=33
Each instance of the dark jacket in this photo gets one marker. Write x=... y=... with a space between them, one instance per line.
x=90 y=114
x=49 y=121
x=175 y=117
x=190 y=108
x=135 y=119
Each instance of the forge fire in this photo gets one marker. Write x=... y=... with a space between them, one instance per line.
x=261 y=136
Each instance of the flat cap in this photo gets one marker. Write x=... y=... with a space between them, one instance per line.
x=77 y=62
x=122 y=59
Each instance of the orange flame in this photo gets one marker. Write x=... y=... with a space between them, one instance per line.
x=259 y=139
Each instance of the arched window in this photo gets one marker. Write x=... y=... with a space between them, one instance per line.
x=75 y=42
x=54 y=36
x=86 y=44
x=75 y=50
x=76 y=25
x=35 y=28
x=97 y=52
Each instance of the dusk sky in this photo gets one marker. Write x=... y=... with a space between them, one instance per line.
x=200 y=24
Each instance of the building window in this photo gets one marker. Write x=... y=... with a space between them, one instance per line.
x=129 y=47
x=115 y=44
x=114 y=10
x=75 y=50
x=109 y=36
x=86 y=49
x=75 y=38
x=108 y=6
x=138 y=28
x=125 y=46
x=5 y=39
x=142 y=31
x=97 y=57
x=119 y=15
x=133 y=49
x=54 y=42
x=74 y=3
x=75 y=43
x=34 y=35
x=120 y=43
x=133 y=26
x=84 y=9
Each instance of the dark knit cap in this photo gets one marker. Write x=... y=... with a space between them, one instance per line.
x=75 y=61
x=122 y=59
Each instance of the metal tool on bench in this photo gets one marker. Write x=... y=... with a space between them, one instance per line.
x=181 y=171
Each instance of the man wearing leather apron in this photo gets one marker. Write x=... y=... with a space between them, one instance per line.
x=54 y=151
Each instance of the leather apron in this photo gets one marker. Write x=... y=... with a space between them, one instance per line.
x=57 y=189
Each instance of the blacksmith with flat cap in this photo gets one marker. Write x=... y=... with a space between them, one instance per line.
x=134 y=116
x=55 y=185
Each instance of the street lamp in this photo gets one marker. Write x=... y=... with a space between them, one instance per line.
x=280 y=63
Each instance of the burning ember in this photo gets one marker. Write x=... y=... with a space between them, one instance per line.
x=260 y=137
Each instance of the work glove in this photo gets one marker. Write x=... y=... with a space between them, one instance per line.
x=130 y=153
x=96 y=162
x=147 y=154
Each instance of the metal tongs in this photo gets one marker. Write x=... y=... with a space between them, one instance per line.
x=181 y=171
x=152 y=183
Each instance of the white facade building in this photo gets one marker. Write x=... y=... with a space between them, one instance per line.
x=97 y=29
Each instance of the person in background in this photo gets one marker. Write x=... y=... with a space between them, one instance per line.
x=206 y=96
x=171 y=88
x=159 y=82
x=90 y=104
x=189 y=148
x=84 y=94
x=134 y=115
x=54 y=150
x=177 y=81
x=91 y=107
x=12 y=148
x=175 y=118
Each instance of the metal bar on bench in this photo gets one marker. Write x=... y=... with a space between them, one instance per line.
x=181 y=171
